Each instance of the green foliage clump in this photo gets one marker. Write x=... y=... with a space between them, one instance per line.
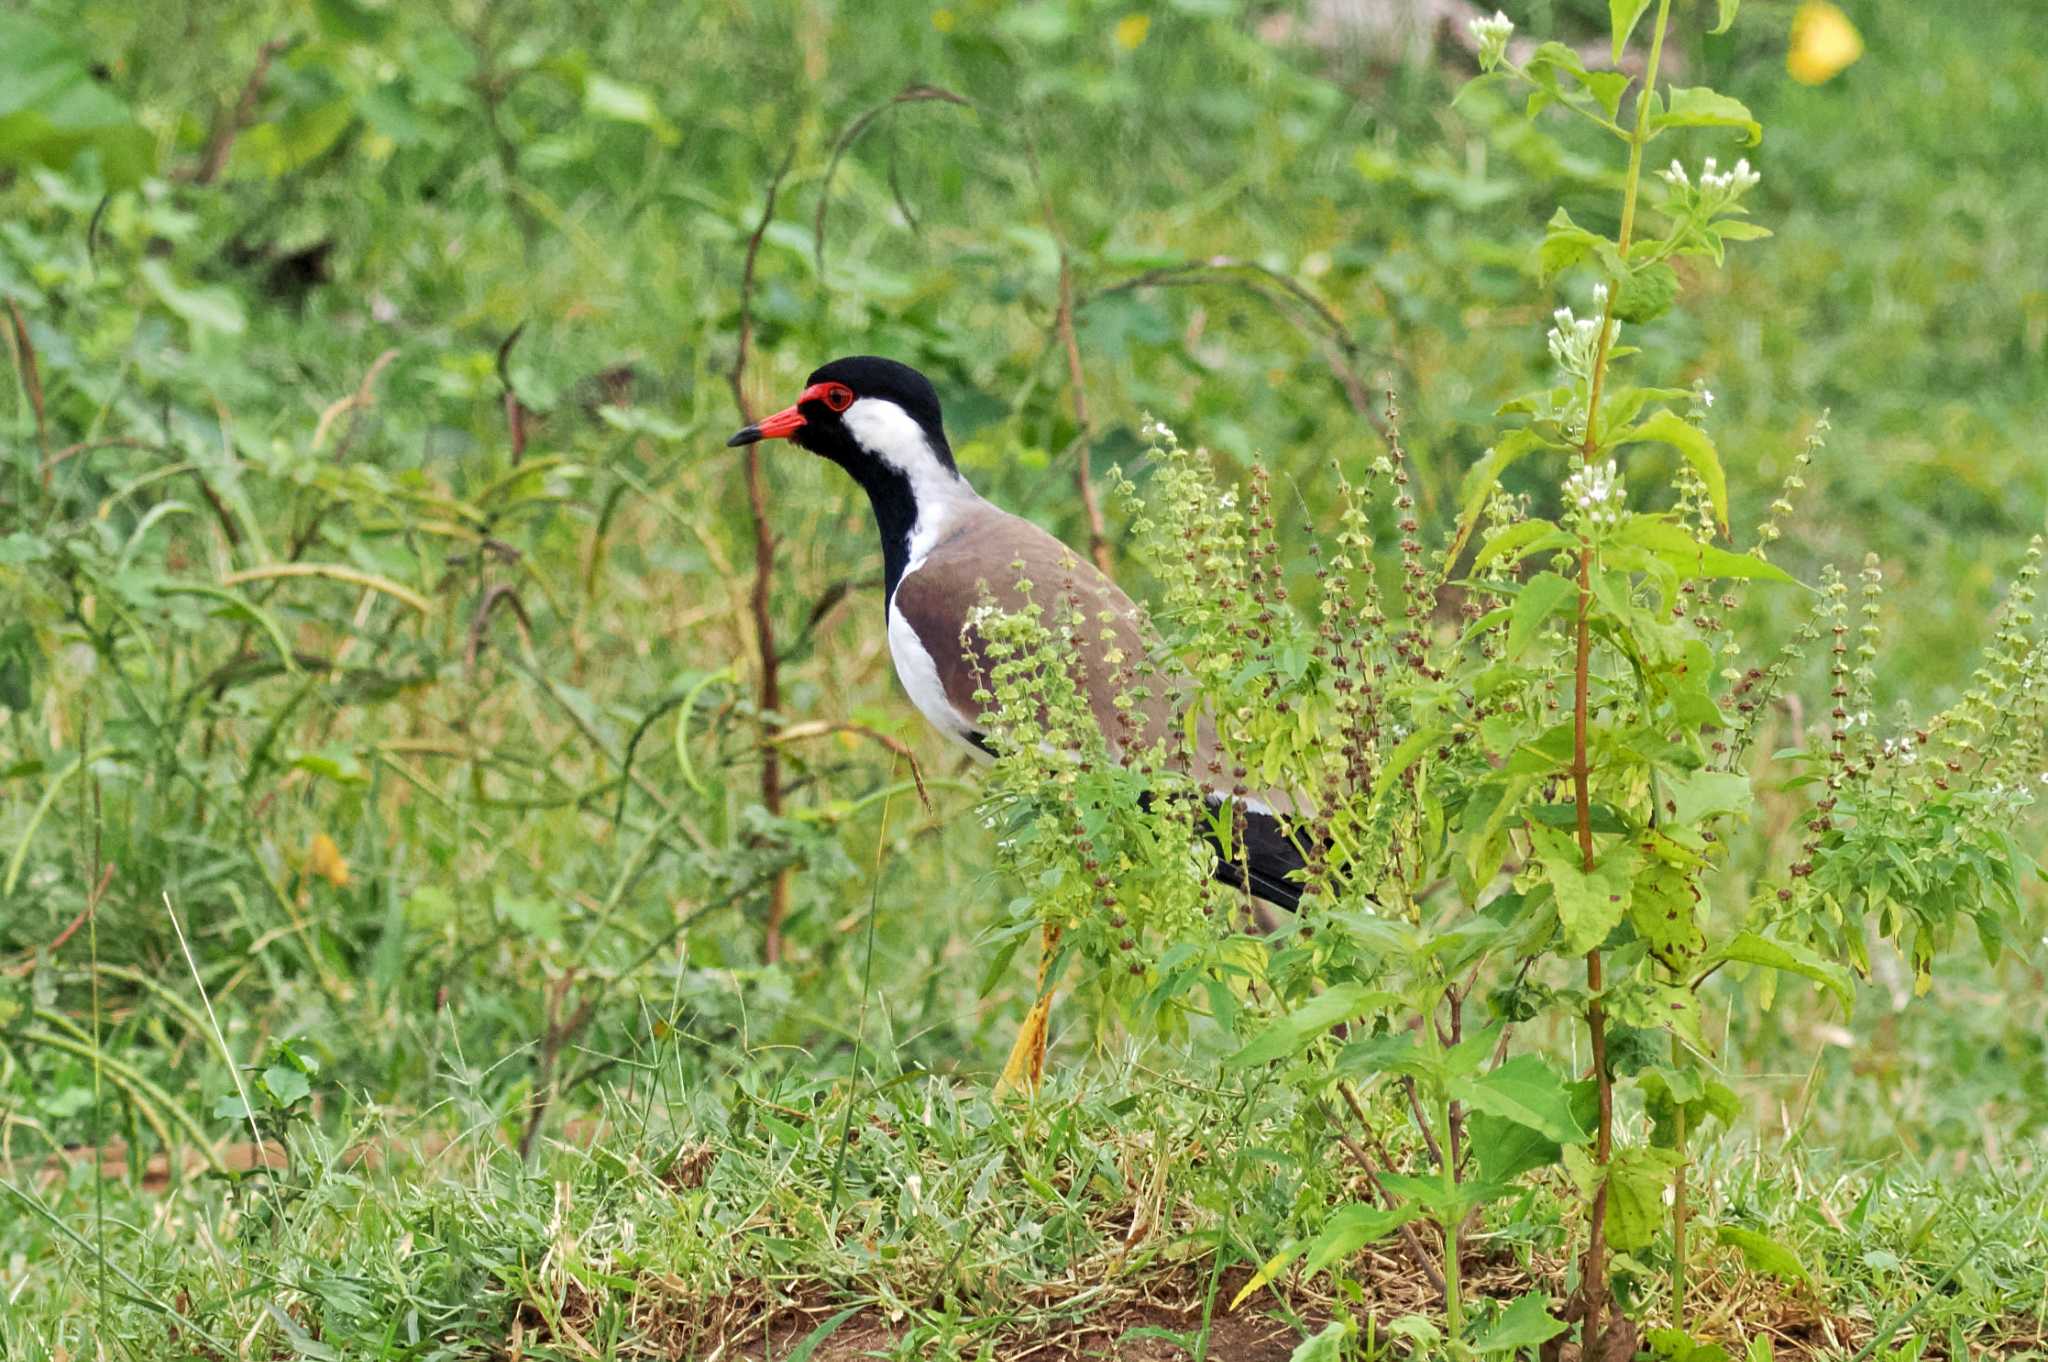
x=1536 y=759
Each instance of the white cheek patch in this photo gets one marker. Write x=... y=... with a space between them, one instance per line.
x=893 y=436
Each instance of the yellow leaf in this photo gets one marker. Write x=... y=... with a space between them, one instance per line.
x=1824 y=42
x=1131 y=30
x=324 y=858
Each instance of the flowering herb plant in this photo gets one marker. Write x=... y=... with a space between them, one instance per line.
x=1515 y=778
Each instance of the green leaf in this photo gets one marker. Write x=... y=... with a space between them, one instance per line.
x=1444 y=1203
x=1285 y=1035
x=1507 y=1149
x=351 y=22
x=1395 y=1052
x=1694 y=1092
x=1748 y=948
x=53 y=110
x=204 y=309
x=604 y=97
x=1763 y=1253
x=1646 y=293
x=1484 y=476
x=1589 y=906
x=1691 y=442
x=1526 y=1323
x=1696 y=796
x=1622 y=16
x=1540 y=598
x=1565 y=244
x=1528 y=1092
x=1675 y=546
x=1327 y=1346
x=815 y=1337
x=1726 y=16
x=1351 y=1229
x=1699 y=107
x=286 y=1084
x=1518 y=541
x=1636 y=1179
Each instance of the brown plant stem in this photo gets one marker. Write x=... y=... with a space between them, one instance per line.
x=231 y=122
x=1077 y=382
x=768 y=694
x=1416 y=1252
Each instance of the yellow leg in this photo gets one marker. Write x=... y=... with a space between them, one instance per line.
x=1025 y=1068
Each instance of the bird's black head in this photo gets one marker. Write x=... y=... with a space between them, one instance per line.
x=861 y=411
x=878 y=420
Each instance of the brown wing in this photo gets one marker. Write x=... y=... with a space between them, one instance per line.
x=1002 y=551
x=999 y=552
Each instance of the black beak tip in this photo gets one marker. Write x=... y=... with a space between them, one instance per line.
x=751 y=435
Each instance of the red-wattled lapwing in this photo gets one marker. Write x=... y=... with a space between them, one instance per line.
x=945 y=550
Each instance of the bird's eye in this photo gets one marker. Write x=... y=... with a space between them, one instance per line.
x=838 y=396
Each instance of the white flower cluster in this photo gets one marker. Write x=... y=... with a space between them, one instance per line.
x=1575 y=341
x=1717 y=188
x=1157 y=430
x=1904 y=751
x=1595 y=491
x=1492 y=36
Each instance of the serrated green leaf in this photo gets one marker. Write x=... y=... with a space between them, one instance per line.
x=1589 y=905
x=1519 y=540
x=1528 y=1092
x=1351 y=1229
x=1539 y=599
x=1675 y=545
x=1646 y=293
x=1748 y=948
x=1338 y=1003
x=1636 y=1179
x=1699 y=107
x=1693 y=444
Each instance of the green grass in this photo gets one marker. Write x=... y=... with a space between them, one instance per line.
x=521 y=914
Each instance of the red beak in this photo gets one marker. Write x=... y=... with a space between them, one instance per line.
x=780 y=426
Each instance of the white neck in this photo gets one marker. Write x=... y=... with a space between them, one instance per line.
x=893 y=436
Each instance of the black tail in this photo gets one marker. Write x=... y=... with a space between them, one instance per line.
x=1267 y=861
x=1266 y=864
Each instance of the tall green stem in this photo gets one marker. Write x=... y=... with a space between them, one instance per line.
x=1593 y=1276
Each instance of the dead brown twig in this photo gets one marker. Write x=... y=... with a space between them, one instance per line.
x=501 y=594
x=228 y=126
x=354 y=405
x=515 y=410
x=32 y=380
x=768 y=696
x=909 y=94
x=819 y=728
x=1077 y=383
x=1296 y=303
x=1416 y=1252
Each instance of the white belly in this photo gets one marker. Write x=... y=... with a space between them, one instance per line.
x=920 y=678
